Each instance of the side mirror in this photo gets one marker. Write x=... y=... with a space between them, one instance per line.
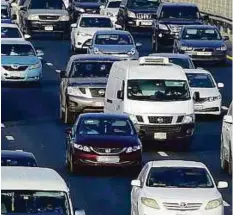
x=14 y=4
x=120 y=94
x=220 y=85
x=39 y=53
x=27 y=36
x=227 y=119
x=205 y=17
x=136 y=183
x=196 y=96
x=68 y=131
x=222 y=184
x=138 y=44
x=226 y=38
x=154 y=16
x=74 y=25
x=62 y=74
x=79 y=212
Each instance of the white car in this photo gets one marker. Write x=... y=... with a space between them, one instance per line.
x=226 y=142
x=176 y=187
x=111 y=9
x=84 y=29
x=12 y=32
x=210 y=101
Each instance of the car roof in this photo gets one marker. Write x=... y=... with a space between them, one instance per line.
x=9 y=25
x=177 y=4
x=93 y=15
x=31 y=178
x=104 y=116
x=200 y=26
x=16 y=154
x=112 y=32
x=16 y=41
x=171 y=55
x=197 y=71
x=93 y=57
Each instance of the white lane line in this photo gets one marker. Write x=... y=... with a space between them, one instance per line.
x=226 y=204
x=58 y=71
x=2 y=125
x=49 y=64
x=163 y=154
x=10 y=138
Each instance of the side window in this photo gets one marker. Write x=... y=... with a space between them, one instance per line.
x=230 y=110
x=142 y=175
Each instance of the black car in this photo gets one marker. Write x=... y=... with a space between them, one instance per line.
x=137 y=13
x=169 y=20
x=17 y=158
x=202 y=43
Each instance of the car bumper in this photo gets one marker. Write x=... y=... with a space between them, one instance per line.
x=81 y=42
x=140 y=23
x=121 y=56
x=212 y=108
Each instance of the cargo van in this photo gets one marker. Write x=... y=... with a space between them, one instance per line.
x=34 y=190
x=156 y=95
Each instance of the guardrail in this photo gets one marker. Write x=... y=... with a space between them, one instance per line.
x=219 y=11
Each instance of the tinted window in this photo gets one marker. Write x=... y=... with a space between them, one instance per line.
x=90 y=69
x=47 y=4
x=170 y=12
x=201 y=34
x=145 y=4
x=4 y=12
x=116 y=127
x=88 y=22
x=179 y=177
x=18 y=162
x=10 y=32
x=184 y=63
x=114 y=4
x=200 y=80
x=113 y=39
x=17 y=50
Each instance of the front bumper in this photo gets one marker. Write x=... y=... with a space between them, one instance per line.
x=139 y=23
x=210 y=108
x=121 y=56
x=81 y=42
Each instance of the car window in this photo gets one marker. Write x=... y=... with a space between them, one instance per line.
x=145 y=4
x=184 y=63
x=89 y=22
x=7 y=32
x=201 y=34
x=200 y=80
x=4 y=12
x=113 y=39
x=47 y=4
x=17 y=50
x=114 y=4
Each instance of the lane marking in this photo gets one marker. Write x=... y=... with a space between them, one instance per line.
x=163 y=154
x=10 y=138
x=226 y=204
x=49 y=64
x=58 y=71
x=2 y=125
x=229 y=57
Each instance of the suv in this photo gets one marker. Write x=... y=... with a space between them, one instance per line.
x=83 y=84
x=44 y=16
x=137 y=13
x=169 y=20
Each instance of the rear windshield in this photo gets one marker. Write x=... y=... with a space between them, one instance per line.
x=113 y=39
x=200 y=80
x=183 y=62
x=17 y=50
x=10 y=33
x=4 y=12
x=89 y=22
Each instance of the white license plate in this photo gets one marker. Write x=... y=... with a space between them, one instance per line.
x=108 y=159
x=204 y=53
x=198 y=107
x=160 y=136
x=48 y=28
x=16 y=74
x=146 y=23
x=99 y=104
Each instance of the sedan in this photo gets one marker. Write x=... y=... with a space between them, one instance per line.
x=99 y=139
x=171 y=187
x=210 y=101
x=202 y=43
x=114 y=42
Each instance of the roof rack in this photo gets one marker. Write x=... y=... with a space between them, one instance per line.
x=154 y=60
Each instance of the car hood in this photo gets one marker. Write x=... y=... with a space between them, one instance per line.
x=114 y=48
x=24 y=60
x=149 y=10
x=206 y=92
x=180 y=22
x=87 y=5
x=92 y=31
x=47 y=12
x=114 y=11
x=203 y=43
x=105 y=141
x=87 y=82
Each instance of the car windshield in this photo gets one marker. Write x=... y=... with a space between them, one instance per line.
x=89 y=22
x=113 y=39
x=158 y=90
x=90 y=69
x=179 y=177
x=183 y=62
x=114 y=127
x=17 y=162
x=34 y=202
x=17 y=50
x=144 y=4
x=114 y=4
x=47 y=4
x=201 y=34
x=181 y=12
x=200 y=80
x=10 y=33
x=4 y=13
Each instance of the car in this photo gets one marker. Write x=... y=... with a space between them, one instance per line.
x=5 y=12
x=210 y=101
x=99 y=139
x=202 y=43
x=182 y=60
x=12 y=31
x=83 y=84
x=44 y=16
x=17 y=158
x=111 y=9
x=84 y=29
x=114 y=42
x=170 y=187
x=169 y=21
x=137 y=14
x=20 y=62
x=226 y=142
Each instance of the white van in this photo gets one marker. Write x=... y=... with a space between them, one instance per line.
x=34 y=190
x=156 y=95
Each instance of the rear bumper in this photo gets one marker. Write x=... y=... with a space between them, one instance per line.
x=208 y=108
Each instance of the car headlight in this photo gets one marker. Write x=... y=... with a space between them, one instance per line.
x=64 y=18
x=82 y=148
x=83 y=34
x=163 y=27
x=74 y=91
x=213 y=98
x=186 y=48
x=189 y=119
x=109 y=14
x=35 y=66
x=96 y=51
x=150 y=202
x=133 y=149
x=33 y=17
x=222 y=48
x=131 y=14
x=81 y=10
x=214 y=204
x=132 y=51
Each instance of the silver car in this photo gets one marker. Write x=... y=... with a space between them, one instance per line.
x=114 y=42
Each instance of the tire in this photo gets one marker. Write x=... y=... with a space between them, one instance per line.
x=69 y=116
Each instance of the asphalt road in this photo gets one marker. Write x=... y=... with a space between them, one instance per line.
x=30 y=120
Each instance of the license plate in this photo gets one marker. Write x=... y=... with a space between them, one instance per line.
x=146 y=23
x=108 y=159
x=48 y=28
x=99 y=104
x=204 y=53
x=198 y=107
x=16 y=74
x=160 y=136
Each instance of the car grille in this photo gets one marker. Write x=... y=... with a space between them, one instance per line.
x=160 y=119
x=201 y=100
x=107 y=151
x=48 y=18
x=143 y=16
x=203 y=49
x=14 y=78
x=97 y=92
x=12 y=68
x=162 y=128
x=175 y=28
x=182 y=206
